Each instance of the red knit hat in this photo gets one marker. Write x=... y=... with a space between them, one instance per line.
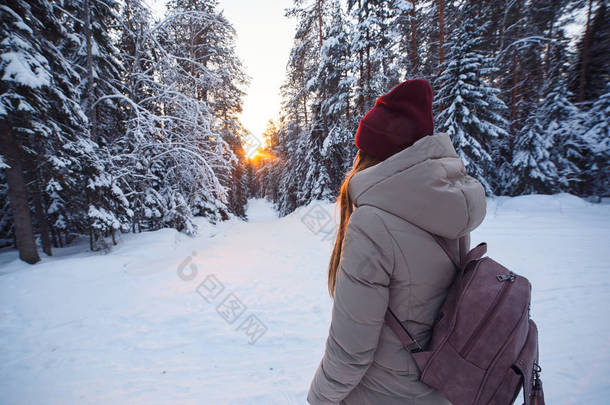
x=397 y=120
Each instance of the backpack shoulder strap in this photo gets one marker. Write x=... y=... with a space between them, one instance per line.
x=394 y=323
x=392 y=320
x=443 y=244
x=466 y=256
x=404 y=336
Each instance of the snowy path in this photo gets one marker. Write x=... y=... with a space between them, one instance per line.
x=128 y=327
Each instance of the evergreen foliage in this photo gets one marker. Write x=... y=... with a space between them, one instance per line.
x=121 y=123
x=113 y=122
x=471 y=112
x=500 y=71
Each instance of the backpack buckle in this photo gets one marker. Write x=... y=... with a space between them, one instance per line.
x=414 y=347
x=503 y=277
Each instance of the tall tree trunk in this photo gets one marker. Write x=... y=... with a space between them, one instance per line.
x=585 y=58
x=92 y=237
x=90 y=94
x=549 y=49
x=514 y=97
x=441 y=33
x=368 y=69
x=361 y=57
x=347 y=106
x=204 y=91
x=361 y=97
x=320 y=3
x=305 y=111
x=414 y=61
x=17 y=195
x=441 y=41
x=55 y=239
x=41 y=215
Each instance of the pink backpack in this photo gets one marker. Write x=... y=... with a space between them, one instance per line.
x=484 y=346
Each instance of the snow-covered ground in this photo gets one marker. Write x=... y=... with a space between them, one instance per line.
x=239 y=314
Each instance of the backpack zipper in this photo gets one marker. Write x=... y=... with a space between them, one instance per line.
x=467 y=348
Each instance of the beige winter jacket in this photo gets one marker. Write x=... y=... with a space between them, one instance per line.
x=390 y=258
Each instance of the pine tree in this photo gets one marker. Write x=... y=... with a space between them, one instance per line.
x=330 y=149
x=93 y=53
x=591 y=71
x=561 y=120
x=533 y=170
x=597 y=136
x=302 y=63
x=303 y=173
x=292 y=167
x=373 y=49
x=514 y=37
x=598 y=67
x=473 y=113
x=196 y=156
x=218 y=80
x=41 y=123
x=433 y=31
x=409 y=26
x=111 y=123
x=561 y=123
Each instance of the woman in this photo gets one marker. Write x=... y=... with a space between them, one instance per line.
x=407 y=184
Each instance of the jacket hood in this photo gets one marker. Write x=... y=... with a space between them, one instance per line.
x=425 y=184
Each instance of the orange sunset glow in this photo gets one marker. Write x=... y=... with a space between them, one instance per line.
x=261 y=154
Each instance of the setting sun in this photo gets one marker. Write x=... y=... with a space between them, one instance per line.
x=260 y=154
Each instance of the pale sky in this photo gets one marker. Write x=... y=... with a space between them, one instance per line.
x=264 y=39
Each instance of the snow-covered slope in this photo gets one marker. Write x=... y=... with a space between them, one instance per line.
x=150 y=322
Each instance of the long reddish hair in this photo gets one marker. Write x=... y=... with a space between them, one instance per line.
x=346 y=207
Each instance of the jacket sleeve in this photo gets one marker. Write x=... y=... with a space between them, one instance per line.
x=360 y=304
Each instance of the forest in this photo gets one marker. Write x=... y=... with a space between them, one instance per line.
x=522 y=93
x=113 y=121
